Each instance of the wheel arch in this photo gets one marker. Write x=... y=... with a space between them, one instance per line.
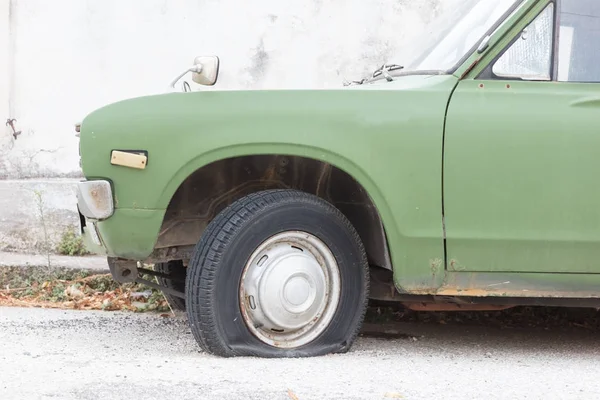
x=207 y=184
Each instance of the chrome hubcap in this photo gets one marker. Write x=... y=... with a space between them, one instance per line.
x=290 y=289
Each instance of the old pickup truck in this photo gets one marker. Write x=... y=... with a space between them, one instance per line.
x=465 y=178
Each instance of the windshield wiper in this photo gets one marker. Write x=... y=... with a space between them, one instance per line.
x=383 y=70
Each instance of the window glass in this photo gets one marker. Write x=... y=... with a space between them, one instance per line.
x=530 y=57
x=579 y=41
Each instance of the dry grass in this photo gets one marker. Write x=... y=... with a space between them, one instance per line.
x=22 y=287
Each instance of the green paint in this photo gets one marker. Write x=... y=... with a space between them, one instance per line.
x=521 y=176
x=520 y=164
x=131 y=233
x=368 y=131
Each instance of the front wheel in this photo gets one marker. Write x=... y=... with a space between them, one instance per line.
x=279 y=273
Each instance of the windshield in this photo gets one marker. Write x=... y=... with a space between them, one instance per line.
x=459 y=25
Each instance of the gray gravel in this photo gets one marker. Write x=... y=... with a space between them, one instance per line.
x=50 y=354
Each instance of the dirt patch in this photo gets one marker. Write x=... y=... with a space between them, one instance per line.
x=75 y=289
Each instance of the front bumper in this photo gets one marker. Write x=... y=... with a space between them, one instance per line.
x=91 y=238
x=95 y=203
x=115 y=232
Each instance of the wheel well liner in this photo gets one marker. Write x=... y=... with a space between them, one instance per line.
x=210 y=189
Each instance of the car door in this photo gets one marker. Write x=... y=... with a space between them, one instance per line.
x=521 y=176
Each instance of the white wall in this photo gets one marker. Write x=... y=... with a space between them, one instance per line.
x=29 y=206
x=71 y=56
x=64 y=58
x=4 y=64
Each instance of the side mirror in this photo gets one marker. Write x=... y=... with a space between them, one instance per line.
x=206 y=70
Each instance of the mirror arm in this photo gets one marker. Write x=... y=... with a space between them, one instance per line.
x=196 y=68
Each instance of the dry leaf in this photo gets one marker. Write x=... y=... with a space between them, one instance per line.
x=81 y=295
x=73 y=291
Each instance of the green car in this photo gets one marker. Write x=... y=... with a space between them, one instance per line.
x=464 y=179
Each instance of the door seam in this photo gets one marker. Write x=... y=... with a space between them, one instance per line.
x=444 y=237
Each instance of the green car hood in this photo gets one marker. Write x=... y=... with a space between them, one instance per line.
x=362 y=129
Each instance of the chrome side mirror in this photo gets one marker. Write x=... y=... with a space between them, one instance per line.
x=206 y=71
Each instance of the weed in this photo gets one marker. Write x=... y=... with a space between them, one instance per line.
x=57 y=293
x=71 y=244
x=40 y=206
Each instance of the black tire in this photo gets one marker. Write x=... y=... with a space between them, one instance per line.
x=212 y=283
x=178 y=271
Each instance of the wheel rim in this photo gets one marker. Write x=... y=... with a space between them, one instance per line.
x=290 y=289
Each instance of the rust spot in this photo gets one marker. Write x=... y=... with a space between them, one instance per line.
x=465 y=292
x=271 y=172
x=454 y=307
x=455 y=265
x=470 y=68
x=435 y=265
x=481 y=85
x=99 y=201
x=508 y=85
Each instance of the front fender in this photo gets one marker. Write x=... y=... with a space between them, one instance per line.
x=388 y=137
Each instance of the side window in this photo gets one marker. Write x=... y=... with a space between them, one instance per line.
x=579 y=41
x=530 y=56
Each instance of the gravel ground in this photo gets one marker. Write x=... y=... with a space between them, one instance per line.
x=55 y=354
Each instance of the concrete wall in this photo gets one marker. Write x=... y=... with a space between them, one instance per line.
x=4 y=66
x=61 y=59
x=35 y=212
